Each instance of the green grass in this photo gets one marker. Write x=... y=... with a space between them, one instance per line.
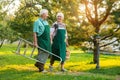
x=15 y=67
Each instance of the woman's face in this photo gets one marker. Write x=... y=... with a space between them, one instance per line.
x=59 y=18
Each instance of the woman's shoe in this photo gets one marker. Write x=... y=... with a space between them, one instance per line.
x=64 y=70
x=51 y=68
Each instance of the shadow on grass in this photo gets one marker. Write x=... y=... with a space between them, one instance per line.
x=106 y=71
x=13 y=74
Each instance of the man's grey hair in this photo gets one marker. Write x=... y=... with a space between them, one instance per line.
x=43 y=11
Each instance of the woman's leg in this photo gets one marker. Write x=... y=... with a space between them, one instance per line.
x=62 y=66
x=51 y=64
x=51 y=61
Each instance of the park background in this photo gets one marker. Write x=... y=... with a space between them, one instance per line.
x=93 y=29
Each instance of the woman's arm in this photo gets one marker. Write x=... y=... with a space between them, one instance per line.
x=66 y=39
x=67 y=44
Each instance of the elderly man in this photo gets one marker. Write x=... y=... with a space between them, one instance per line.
x=41 y=34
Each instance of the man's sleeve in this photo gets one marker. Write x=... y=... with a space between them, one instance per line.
x=38 y=28
x=35 y=26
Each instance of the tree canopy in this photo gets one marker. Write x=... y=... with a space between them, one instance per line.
x=84 y=18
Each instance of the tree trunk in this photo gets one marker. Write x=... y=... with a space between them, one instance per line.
x=1 y=43
x=95 y=50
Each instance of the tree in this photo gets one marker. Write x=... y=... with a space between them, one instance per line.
x=29 y=10
x=97 y=13
x=84 y=18
x=3 y=27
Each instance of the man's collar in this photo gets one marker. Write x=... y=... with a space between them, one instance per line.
x=42 y=19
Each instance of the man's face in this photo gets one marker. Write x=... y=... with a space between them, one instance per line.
x=44 y=15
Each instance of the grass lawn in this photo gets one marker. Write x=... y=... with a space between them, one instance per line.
x=15 y=67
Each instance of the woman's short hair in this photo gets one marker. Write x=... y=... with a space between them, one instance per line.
x=42 y=11
x=60 y=14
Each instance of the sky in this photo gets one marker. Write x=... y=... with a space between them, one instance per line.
x=12 y=7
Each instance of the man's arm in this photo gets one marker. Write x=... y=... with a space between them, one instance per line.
x=35 y=39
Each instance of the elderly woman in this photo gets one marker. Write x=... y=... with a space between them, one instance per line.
x=41 y=34
x=59 y=37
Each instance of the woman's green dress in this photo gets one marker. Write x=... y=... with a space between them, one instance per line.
x=59 y=44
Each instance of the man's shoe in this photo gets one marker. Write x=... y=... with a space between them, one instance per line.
x=37 y=64
x=44 y=71
x=40 y=66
